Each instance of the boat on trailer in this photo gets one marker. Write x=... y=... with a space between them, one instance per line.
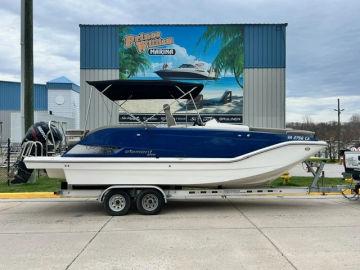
x=211 y=154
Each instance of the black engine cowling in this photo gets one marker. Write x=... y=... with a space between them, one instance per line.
x=38 y=132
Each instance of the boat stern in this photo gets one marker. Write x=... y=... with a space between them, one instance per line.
x=53 y=165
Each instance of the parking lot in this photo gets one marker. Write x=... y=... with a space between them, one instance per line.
x=249 y=233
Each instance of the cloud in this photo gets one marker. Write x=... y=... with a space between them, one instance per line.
x=181 y=57
x=320 y=109
x=9 y=46
x=56 y=53
x=323 y=37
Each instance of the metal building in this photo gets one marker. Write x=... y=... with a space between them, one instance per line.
x=264 y=48
x=57 y=100
x=10 y=104
x=63 y=100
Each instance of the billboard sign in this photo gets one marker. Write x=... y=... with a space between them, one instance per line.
x=209 y=54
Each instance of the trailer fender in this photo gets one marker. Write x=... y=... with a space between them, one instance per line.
x=139 y=187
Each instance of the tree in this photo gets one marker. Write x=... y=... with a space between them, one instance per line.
x=231 y=53
x=328 y=132
x=307 y=120
x=355 y=118
x=131 y=61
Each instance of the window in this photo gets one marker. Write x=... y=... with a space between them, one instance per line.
x=80 y=149
x=187 y=66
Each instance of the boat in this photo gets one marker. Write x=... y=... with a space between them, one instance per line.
x=210 y=154
x=194 y=71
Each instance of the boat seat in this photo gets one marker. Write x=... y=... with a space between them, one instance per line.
x=199 y=102
x=226 y=97
x=170 y=120
x=214 y=124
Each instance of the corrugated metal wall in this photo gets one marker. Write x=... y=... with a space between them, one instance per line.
x=40 y=97
x=264 y=76
x=99 y=45
x=10 y=96
x=10 y=103
x=265 y=97
x=264 y=86
x=102 y=111
x=5 y=118
x=264 y=46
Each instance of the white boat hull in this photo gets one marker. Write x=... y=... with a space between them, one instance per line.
x=252 y=169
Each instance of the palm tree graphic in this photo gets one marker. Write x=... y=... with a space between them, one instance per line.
x=131 y=61
x=231 y=54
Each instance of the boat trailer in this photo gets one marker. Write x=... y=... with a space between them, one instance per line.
x=150 y=199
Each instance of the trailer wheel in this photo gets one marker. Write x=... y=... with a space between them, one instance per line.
x=149 y=202
x=117 y=202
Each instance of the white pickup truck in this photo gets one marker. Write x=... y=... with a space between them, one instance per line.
x=352 y=163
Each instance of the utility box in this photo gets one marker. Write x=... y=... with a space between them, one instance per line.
x=352 y=163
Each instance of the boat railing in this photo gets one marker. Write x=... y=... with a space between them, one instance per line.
x=51 y=146
x=287 y=131
x=30 y=148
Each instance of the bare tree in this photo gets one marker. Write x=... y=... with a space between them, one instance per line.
x=307 y=120
x=355 y=118
x=328 y=131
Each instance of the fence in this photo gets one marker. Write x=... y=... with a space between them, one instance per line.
x=8 y=155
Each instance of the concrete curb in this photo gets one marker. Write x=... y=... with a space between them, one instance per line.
x=327 y=193
x=28 y=195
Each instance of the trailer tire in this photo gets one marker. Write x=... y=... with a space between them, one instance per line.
x=117 y=202
x=150 y=202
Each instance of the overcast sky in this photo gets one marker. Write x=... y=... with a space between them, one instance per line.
x=323 y=41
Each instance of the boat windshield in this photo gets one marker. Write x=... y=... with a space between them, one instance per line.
x=80 y=149
x=187 y=66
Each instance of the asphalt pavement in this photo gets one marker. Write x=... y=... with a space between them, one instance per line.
x=250 y=233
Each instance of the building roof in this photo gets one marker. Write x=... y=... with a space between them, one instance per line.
x=62 y=83
x=10 y=93
x=185 y=24
x=61 y=79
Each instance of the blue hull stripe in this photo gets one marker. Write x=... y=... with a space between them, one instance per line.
x=173 y=142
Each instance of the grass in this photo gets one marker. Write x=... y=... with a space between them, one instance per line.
x=45 y=184
x=298 y=181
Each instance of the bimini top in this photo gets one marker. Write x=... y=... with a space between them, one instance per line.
x=146 y=89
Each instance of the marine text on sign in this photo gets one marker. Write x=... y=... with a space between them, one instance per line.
x=144 y=41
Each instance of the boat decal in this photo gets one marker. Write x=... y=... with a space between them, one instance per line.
x=298 y=138
x=147 y=153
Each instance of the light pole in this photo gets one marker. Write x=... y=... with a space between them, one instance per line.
x=338 y=110
x=27 y=65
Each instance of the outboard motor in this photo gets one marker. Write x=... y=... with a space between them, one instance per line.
x=37 y=138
